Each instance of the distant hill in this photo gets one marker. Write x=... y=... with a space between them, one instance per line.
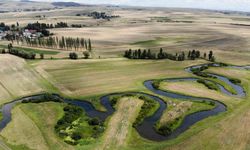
x=66 y=4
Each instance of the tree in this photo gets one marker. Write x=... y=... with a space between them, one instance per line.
x=210 y=56
x=139 y=53
x=10 y=46
x=90 y=46
x=189 y=54
x=73 y=55
x=3 y=51
x=213 y=59
x=149 y=55
x=41 y=56
x=160 y=54
x=94 y=121
x=86 y=54
x=205 y=55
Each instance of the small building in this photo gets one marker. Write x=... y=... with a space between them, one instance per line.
x=27 y=33
x=32 y=34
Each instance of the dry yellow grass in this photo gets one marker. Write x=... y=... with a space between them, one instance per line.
x=194 y=89
x=120 y=124
x=177 y=111
x=17 y=79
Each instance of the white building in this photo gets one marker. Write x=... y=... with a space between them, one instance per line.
x=27 y=33
x=2 y=34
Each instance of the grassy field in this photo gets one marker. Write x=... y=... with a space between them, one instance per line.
x=177 y=110
x=24 y=80
x=33 y=126
x=95 y=77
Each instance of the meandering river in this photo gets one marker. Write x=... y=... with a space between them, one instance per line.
x=146 y=129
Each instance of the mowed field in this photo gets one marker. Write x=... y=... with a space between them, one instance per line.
x=17 y=78
x=103 y=76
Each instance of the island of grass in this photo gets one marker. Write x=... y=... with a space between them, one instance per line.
x=148 y=108
x=211 y=85
x=176 y=112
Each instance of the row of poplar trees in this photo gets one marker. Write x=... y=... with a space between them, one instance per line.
x=65 y=43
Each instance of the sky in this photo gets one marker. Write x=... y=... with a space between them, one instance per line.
x=240 y=5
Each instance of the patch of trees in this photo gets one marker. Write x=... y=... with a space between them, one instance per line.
x=65 y=43
x=4 y=27
x=61 y=25
x=43 y=98
x=3 y=51
x=21 y=53
x=148 y=107
x=73 y=118
x=147 y=54
x=156 y=84
x=235 y=81
x=168 y=128
x=210 y=85
x=76 y=25
x=71 y=113
x=192 y=55
x=203 y=74
x=39 y=27
x=43 y=26
x=99 y=15
x=198 y=71
x=73 y=55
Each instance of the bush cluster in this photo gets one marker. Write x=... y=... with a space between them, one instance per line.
x=23 y=54
x=235 y=81
x=44 y=98
x=146 y=108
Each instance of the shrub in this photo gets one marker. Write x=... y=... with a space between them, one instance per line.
x=146 y=109
x=165 y=130
x=235 y=81
x=86 y=54
x=156 y=84
x=76 y=136
x=41 y=56
x=208 y=84
x=73 y=55
x=113 y=100
x=94 y=121
x=3 y=51
x=23 y=54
